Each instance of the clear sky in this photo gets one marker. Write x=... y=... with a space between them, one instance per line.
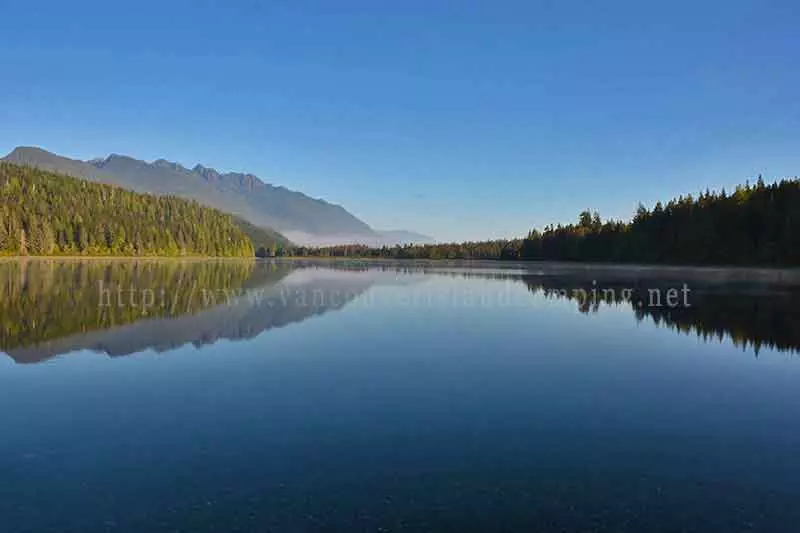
x=457 y=119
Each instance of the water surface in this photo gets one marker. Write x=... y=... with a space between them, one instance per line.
x=239 y=396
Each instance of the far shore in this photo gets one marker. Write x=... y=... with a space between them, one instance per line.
x=8 y=258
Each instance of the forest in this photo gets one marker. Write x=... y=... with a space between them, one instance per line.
x=756 y=225
x=44 y=214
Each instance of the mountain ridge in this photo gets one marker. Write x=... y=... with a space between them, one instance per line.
x=305 y=219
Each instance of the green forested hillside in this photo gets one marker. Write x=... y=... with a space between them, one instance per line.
x=266 y=242
x=42 y=213
x=244 y=195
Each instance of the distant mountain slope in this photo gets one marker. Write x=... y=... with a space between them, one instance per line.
x=404 y=237
x=377 y=239
x=244 y=195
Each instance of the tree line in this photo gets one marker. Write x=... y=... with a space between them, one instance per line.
x=754 y=225
x=42 y=213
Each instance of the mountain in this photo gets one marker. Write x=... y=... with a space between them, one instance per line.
x=377 y=239
x=404 y=237
x=303 y=219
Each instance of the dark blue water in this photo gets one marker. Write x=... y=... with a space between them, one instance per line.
x=413 y=402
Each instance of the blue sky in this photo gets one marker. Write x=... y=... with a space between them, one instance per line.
x=463 y=120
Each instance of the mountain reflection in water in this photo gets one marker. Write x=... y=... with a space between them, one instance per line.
x=53 y=307
x=120 y=308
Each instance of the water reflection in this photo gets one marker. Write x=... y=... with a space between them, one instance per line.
x=751 y=317
x=48 y=308
x=418 y=407
x=119 y=308
x=750 y=311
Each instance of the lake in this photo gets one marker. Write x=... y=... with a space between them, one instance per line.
x=299 y=396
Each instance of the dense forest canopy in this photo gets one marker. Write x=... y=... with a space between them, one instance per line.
x=755 y=225
x=42 y=213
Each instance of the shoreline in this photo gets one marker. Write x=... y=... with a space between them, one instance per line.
x=598 y=271
x=21 y=258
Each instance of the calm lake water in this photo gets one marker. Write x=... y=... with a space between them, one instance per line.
x=289 y=397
